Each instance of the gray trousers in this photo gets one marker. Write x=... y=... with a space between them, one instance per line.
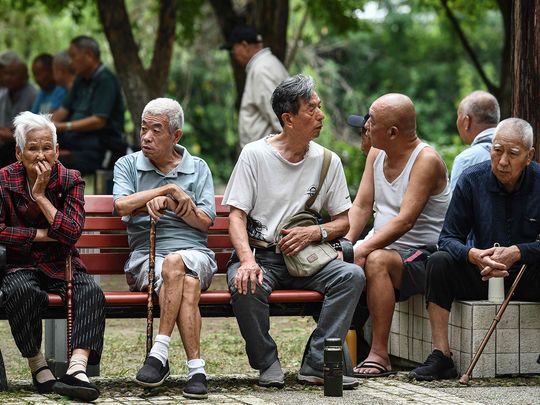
x=25 y=297
x=341 y=283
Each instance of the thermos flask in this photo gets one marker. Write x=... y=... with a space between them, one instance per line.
x=333 y=368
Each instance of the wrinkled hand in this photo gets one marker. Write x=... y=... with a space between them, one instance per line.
x=43 y=171
x=248 y=272
x=360 y=256
x=157 y=206
x=185 y=203
x=298 y=238
x=489 y=265
x=503 y=255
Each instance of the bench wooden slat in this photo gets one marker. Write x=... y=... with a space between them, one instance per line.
x=115 y=223
x=113 y=298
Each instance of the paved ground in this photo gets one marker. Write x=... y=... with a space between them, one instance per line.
x=243 y=390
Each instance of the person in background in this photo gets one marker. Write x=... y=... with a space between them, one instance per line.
x=477 y=116
x=17 y=96
x=91 y=118
x=263 y=73
x=63 y=72
x=50 y=95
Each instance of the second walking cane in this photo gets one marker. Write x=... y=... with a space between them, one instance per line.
x=151 y=275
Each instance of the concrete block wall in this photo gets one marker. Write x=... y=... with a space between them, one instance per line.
x=512 y=349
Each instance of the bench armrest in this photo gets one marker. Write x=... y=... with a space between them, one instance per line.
x=346 y=247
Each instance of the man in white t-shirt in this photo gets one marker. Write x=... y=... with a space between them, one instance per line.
x=405 y=185
x=273 y=179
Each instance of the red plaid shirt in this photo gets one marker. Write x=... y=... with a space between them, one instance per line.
x=20 y=217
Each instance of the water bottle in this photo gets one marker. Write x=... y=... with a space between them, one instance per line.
x=333 y=368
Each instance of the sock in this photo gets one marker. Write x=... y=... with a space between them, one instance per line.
x=35 y=363
x=160 y=350
x=78 y=363
x=195 y=366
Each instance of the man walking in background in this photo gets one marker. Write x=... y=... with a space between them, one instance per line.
x=264 y=72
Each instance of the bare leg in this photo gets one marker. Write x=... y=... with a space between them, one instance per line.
x=189 y=319
x=438 y=318
x=383 y=273
x=170 y=296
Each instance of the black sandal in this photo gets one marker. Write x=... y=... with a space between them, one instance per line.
x=72 y=387
x=45 y=387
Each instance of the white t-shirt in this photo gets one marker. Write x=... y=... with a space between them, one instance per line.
x=269 y=188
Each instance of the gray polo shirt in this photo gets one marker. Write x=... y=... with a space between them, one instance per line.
x=22 y=101
x=135 y=172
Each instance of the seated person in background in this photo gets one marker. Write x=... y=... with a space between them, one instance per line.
x=63 y=72
x=41 y=219
x=50 y=96
x=272 y=180
x=405 y=183
x=17 y=96
x=91 y=118
x=477 y=116
x=177 y=189
x=359 y=122
x=499 y=201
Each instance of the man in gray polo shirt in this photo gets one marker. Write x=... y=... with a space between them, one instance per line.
x=177 y=190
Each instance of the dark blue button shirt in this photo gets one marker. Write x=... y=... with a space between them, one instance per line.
x=481 y=205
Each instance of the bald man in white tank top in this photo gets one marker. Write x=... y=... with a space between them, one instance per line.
x=405 y=183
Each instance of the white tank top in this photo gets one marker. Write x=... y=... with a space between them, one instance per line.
x=388 y=198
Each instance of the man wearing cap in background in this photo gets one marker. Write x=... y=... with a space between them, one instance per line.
x=359 y=121
x=17 y=96
x=263 y=73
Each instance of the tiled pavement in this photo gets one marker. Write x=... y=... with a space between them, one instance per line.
x=241 y=390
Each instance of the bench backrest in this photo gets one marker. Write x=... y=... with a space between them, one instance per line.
x=104 y=245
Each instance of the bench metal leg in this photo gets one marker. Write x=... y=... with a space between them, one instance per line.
x=3 y=377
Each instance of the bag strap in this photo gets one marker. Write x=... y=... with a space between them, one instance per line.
x=324 y=170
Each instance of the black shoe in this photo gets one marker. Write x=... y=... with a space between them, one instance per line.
x=152 y=373
x=72 y=387
x=436 y=367
x=45 y=387
x=308 y=375
x=196 y=387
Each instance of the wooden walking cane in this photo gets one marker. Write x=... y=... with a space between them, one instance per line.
x=151 y=275
x=69 y=304
x=467 y=376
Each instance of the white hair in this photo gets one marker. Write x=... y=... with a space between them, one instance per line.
x=27 y=122
x=517 y=126
x=169 y=107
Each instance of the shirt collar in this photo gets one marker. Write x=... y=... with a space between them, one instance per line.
x=484 y=136
x=263 y=52
x=522 y=185
x=186 y=166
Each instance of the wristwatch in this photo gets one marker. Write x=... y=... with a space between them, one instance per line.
x=324 y=233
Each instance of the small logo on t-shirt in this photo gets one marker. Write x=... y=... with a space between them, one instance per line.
x=311 y=191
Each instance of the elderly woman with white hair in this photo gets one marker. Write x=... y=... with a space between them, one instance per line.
x=41 y=219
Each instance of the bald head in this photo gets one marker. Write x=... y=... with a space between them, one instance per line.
x=396 y=110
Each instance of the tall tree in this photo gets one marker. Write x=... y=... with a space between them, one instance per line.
x=503 y=89
x=526 y=64
x=140 y=84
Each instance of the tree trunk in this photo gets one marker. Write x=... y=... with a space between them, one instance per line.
x=269 y=17
x=526 y=64
x=140 y=85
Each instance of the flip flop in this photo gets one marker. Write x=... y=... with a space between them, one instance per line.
x=383 y=371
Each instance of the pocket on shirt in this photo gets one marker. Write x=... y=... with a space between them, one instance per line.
x=531 y=227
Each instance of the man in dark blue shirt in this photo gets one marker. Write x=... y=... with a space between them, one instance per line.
x=499 y=201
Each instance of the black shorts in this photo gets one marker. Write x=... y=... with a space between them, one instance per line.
x=414 y=276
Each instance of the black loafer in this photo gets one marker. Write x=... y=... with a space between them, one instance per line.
x=152 y=373
x=196 y=387
x=45 y=387
x=72 y=387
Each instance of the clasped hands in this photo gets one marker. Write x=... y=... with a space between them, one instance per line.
x=495 y=261
x=178 y=201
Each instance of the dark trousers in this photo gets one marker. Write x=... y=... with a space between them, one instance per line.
x=340 y=282
x=25 y=298
x=449 y=280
